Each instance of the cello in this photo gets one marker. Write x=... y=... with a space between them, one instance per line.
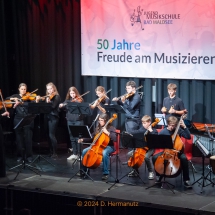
x=138 y=157
x=92 y=159
x=170 y=156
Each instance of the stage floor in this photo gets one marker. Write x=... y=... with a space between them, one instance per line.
x=130 y=191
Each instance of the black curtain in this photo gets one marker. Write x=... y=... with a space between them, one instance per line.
x=41 y=43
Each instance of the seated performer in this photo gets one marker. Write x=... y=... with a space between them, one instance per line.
x=109 y=131
x=146 y=127
x=183 y=131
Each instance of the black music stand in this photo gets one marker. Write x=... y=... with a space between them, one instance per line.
x=38 y=108
x=81 y=131
x=131 y=141
x=114 y=108
x=161 y=142
x=26 y=121
x=204 y=153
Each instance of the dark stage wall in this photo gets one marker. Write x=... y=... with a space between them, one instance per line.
x=40 y=41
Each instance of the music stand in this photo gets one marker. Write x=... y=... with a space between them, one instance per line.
x=26 y=121
x=161 y=142
x=114 y=108
x=38 y=108
x=204 y=153
x=81 y=131
x=162 y=119
x=131 y=141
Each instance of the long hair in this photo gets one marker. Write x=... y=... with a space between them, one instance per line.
x=68 y=97
x=105 y=117
x=100 y=89
x=54 y=87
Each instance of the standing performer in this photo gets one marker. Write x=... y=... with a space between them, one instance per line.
x=183 y=131
x=131 y=104
x=51 y=119
x=73 y=119
x=110 y=131
x=173 y=105
x=101 y=101
x=2 y=153
x=145 y=128
x=24 y=134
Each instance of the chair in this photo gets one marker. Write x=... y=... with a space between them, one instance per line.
x=188 y=145
x=116 y=152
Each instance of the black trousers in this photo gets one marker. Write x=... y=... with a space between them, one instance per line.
x=51 y=123
x=184 y=164
x=132 y=124
x=24 y=139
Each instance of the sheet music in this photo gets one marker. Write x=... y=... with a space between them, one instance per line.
x=204 y=151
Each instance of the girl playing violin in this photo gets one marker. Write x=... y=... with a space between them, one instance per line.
x=101 y=101
x=73 y=119
x=51 y=119
x=110 y=131
x=24 y=134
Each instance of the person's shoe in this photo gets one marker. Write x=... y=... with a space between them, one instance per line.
x=187 y=184
x=80 y=174
x=19 y=159
x=132 y=174
x=151 y=175
x=105 y=177
x=54 y=156
x=158 y=179
x=29 y=159
x=72 y=157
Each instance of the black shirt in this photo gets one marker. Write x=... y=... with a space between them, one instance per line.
x=176 y=102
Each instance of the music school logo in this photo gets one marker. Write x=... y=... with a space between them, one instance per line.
x=152 y=18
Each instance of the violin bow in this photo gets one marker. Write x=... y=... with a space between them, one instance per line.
x=3 y=102
x=127 y=93
x=81 y=95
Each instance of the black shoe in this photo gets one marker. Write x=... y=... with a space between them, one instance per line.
x=80 y=174
x=133 y=174
x=19 y=159
x=29 y=159
x=158 y=179
x=105 y=177
x=188 y=185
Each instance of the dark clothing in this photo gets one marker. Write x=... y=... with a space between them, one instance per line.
x=2 y=152
x=183 y=159
x=73 y=120
x=51 y=122
x=102 y=104
x=23 y=134
x=132 y=109
x=143 y=130
x=176 y=102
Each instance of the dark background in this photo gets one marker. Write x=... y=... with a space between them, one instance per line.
x=40 y=42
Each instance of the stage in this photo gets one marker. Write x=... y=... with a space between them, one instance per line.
x=52 y=193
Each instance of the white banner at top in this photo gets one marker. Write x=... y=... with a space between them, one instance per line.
x=148 y=39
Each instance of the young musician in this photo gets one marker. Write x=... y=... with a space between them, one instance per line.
x=109 y=131
x=51 y=119
x=173 y=105
x=131 y=104
x=23 y=134
x=2 y=154
x=73 y=119
x=147 y=129
x=183 y=131
x=101 y=101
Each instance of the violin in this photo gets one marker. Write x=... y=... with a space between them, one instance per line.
x=50 y=96
x=139 y=155
x=29 y=96
x=170 y=156
x=99 y=100
x=7 y=104
x=127 y=95
x=79 y=98
x=92 y=159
